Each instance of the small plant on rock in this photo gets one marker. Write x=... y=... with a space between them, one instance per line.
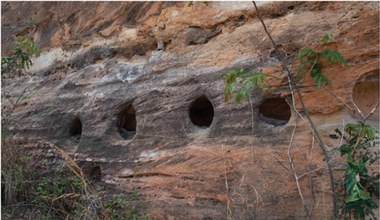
x=20 y=60
x=246 y=81
x=117 y=208
x=359 y=185
x=312 y=61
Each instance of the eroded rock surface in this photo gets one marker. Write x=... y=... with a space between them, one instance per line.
x=116 y=83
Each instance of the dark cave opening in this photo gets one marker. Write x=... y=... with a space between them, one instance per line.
x=127 y=122
x=201 y=112
x=96 y=173
x=75 y=129
x=275 y=111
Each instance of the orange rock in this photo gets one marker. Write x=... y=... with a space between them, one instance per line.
x=107 y=56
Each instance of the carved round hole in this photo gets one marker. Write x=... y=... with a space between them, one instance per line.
x=75 y=129
x=366 y=94
x=96 y=173
x=275 y=111
x=241 y=18
x=201 y=112
x=127 y=122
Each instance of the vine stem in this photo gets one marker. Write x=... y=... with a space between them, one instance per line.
x=312 y=125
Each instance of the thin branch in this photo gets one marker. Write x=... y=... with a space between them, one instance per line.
x=312 y=149
x=229 y=212
x=358 y=110
x=309 y=71
x=270 y=151
x=324 y=201
x=342 y=137
x=355 y=108
x=9 y=99
x=253 y=127
x=308 y=172
x=258 y=196
x=372 y=111
x=310 y=178
x=314 y=129
x=4 y=123
x=294 y=171
x=339 y=98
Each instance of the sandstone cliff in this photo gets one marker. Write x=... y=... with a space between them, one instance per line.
x=136 y=89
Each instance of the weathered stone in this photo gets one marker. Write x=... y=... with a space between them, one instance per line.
x=99 y=61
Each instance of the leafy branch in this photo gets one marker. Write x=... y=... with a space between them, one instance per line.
x=20 y=60
x=241 y=83
x=292 y=85
x=308 y=59
x=358 y=184
x=313 y=61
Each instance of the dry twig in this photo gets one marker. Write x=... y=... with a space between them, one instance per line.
x=313 y=127
x=229 y=212
x=294 y=171
x=311 y=184
x=252 y=124
x=371 y=112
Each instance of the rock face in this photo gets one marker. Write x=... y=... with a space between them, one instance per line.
x=136 y=89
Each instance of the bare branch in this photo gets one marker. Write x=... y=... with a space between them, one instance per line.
x=340 y=99
x=252 y=125
x=229 y=212
x=311 y=184
x=358 y=110
x=270 y=150
x=14 y=105
x=294 y=171
x=308 y=172
x=372 y=111
x=313 y=127
x=342 y=137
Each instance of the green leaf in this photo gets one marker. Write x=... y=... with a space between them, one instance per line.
x=340 y=58
x=344 y=149
x=119 y=200
x=370 y=132
x=258 y=80
x=246 y=81
x=362 y=195
x=352 y=198
x=320 y=80
x=229 y=83
x=333 y=56
x=241 y=94
x=301 y=68
x=352 y=129
x=358 y=183
x=230 y=77
x=306 y=52
x=326 y=38
x=228 y=91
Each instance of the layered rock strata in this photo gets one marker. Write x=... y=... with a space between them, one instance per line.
x=136 y=90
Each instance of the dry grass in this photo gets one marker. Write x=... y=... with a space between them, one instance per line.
x=33 y=188
x=61 y=193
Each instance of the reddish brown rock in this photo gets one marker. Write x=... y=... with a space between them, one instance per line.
x=105 y=65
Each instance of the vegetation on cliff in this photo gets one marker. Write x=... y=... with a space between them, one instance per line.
x=58 y=186
x=355 y=197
